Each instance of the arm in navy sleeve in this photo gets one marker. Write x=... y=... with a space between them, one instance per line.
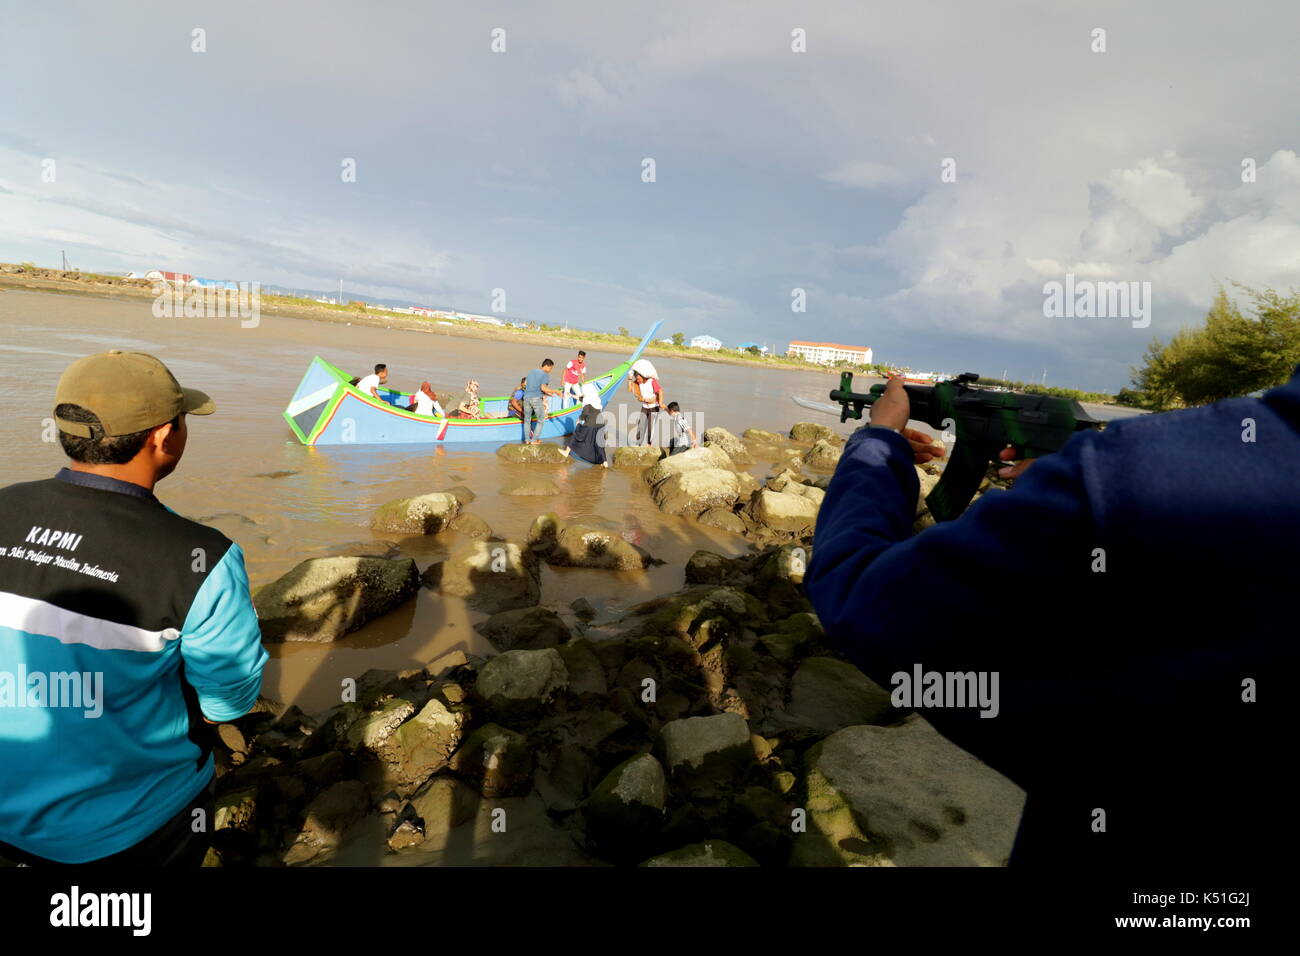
x=221 y=642
x=951 y=597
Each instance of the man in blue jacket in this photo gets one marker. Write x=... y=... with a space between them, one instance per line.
x=124 y=630
x=1129 y=593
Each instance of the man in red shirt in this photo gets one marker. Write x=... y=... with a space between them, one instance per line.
x=574 y=373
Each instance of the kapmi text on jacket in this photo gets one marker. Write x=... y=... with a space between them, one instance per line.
x=67 y=540
x=923 y=688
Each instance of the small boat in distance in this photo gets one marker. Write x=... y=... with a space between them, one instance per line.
x=327 y=410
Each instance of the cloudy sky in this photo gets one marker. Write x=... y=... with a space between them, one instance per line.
x=774 y=170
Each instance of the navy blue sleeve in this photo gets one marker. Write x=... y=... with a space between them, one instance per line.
x=959 y=596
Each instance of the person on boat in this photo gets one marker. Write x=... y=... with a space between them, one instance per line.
x=574 y=372
x=467 y=406
x=425 y=402
x=516 y=405
x=588 y=439
x=150 y=609
x=537 y=385
x=682 y=435
x=371 y=383
x=643 y=383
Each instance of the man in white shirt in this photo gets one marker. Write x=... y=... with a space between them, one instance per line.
x=370 y=384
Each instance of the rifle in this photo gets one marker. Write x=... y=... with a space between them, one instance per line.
x=984 y=422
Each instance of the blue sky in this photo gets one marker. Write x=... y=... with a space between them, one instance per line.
x=775 y=170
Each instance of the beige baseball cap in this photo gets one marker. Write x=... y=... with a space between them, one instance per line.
x=127 y=391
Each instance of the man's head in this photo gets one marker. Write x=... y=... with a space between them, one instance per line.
x=382 y=371
x=547 y=365
x=125 y=410
x=582 y=354
x=673 y=408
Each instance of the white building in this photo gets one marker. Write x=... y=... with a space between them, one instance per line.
x=706 y=342
x=830 y=353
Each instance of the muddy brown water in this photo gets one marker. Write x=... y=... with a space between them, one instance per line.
x=245 y=474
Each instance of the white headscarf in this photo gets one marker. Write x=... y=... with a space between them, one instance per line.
x=643 y=366
x=591 y=395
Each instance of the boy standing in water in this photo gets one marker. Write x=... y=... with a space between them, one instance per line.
x=681 y=436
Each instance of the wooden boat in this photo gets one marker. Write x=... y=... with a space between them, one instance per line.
x=326 y=410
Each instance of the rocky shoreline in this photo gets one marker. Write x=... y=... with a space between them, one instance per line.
x=710 y=726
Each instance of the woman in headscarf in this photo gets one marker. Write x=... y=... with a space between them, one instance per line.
x=642 y=381
x=467 y=404
x=588 y=439
x=425 y=402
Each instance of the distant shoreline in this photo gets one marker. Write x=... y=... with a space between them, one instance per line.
x=15 y=276
x=53 y=280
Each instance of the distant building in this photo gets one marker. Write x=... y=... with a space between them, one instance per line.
x=830 y=353
x=706 y=342
x=213 y=283
x=762 y=349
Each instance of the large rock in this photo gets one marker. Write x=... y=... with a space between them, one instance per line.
x=423 y=514
x=329 y=817
x=699 y=751
x=519 y=685
x=696 y=491
x=761 y=437
x=904 y=796
x=472 y=526
x=491 y=575
x=323 y=599
x=625 y=812
x=823 y=456
x=723 y=519
x=578 y=546
x=827 y=695
x=637 y=456
x=440 y=806
x=498 y=759
x=532 y=454
x=695 y=458
x=783 y=511
x=416 y=749
x=729 y=443
x=682 y=612
x=528 y=628
x=810 y=432
x=534 y=486
x=708 y=853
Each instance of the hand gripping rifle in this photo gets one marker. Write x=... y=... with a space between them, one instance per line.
x=984 y=422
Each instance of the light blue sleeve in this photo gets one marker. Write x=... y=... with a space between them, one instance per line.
x=221 y=642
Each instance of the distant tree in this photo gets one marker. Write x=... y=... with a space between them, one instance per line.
x=753 y=350
x=679 y=339
x=1232 y=354
x=622 y=330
